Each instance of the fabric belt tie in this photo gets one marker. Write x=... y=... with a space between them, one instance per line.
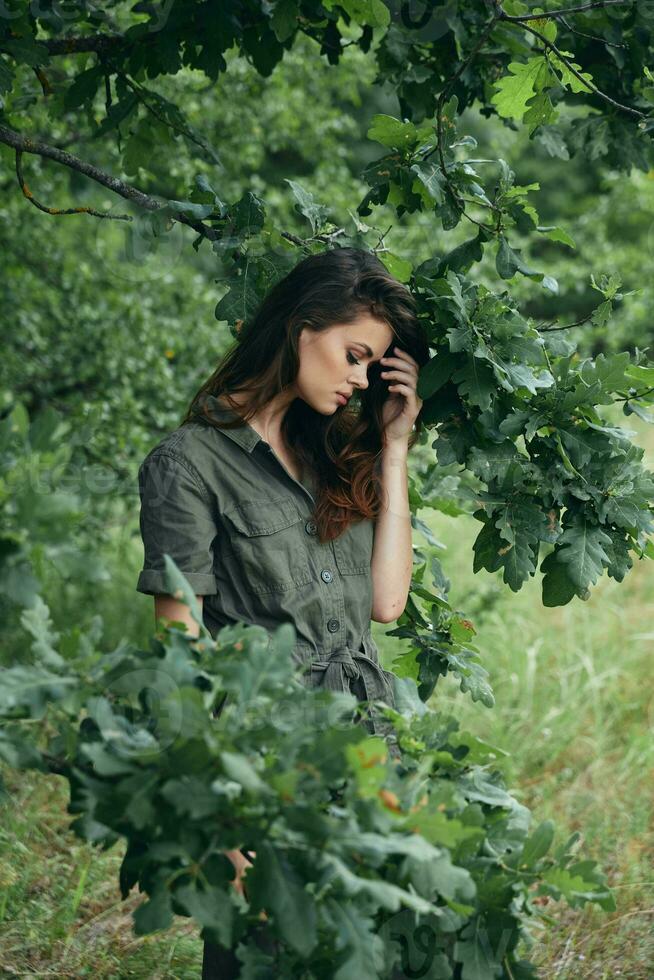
x=345 y=664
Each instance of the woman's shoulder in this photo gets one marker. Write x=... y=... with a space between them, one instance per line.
x=191 y=444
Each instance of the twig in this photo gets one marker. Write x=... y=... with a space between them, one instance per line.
x=635 y=397
x=480 y=224
x=592 y=37
x=59 y=211
x=44 y=81
x=567 y=326
x=382 y=237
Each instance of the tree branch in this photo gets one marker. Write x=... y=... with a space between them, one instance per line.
x=25 y=144
x=100 y=43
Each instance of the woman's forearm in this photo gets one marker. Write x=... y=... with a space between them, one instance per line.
x=392 y=555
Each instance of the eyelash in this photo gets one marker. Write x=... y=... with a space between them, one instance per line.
x=352 y=358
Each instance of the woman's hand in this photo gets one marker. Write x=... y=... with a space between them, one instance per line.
x=241 y=864
x=401 y=408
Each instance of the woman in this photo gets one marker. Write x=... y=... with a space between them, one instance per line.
x=283 y=495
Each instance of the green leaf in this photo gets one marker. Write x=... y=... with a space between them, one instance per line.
x=243 y=298
x=84 y=87
x=581 y=548
x=180 y=589
x=6 y=76
x=284 y=21
x=641 y=374
x=30 y=690
x=401 y=269
x=474 y=676
x=306 y=205
x=557 y=234
x=558 y=588
x=26 y=50
x=516 y=89
x=437 y=874
x=544 y=25
x=540 y=112
x=568 y=77
x=211 y=908
x=372 y=12
x=474 y=952
x=274 y=884
x=38 y=624
x=397 y=135
x=508 y=261
x=606 y=371
x=435 y=373
x=241 y=770
x=361 y=949
x=154 y=914
x=476 y=382
x=538 y=844
x=576 y=888
x=432 y=179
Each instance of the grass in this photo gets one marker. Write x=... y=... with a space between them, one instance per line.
x=574 y=708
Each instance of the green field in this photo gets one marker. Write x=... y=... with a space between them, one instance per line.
x=574 y=710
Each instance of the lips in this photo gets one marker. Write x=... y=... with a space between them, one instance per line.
x=342 y=398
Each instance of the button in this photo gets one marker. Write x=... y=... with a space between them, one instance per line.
x=326 y=575
x=333 y=625
x=311 y=527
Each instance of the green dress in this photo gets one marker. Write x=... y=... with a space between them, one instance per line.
x=240 y=528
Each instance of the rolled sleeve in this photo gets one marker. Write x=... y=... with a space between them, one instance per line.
x=176 y=519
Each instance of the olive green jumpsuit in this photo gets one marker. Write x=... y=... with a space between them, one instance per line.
x=239 y=526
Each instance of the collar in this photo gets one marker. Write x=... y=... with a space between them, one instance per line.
x=244 y=435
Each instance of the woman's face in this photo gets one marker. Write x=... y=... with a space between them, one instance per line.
x=335 y=360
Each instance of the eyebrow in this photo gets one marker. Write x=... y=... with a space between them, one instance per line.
x=365 y=347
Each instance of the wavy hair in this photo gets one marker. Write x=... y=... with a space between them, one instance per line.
x=343 y=449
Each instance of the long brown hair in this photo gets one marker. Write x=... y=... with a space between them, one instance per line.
x=334 y=286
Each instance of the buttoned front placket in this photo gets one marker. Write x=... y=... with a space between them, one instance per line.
x=334 y=604
x=341 y=664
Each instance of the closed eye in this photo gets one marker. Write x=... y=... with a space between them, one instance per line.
x=351 y=358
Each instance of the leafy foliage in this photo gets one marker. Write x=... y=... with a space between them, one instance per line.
x=181 y=750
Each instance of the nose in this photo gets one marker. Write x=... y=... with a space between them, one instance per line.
x=361 y=377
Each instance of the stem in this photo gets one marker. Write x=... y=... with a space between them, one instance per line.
x=634 y=397
x=566 y=326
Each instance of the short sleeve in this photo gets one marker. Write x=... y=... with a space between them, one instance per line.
x=176 y=519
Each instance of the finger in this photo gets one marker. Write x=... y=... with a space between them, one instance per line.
x=406 y=376
x=400 y=389
x=400 y=363
x=405 y=356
